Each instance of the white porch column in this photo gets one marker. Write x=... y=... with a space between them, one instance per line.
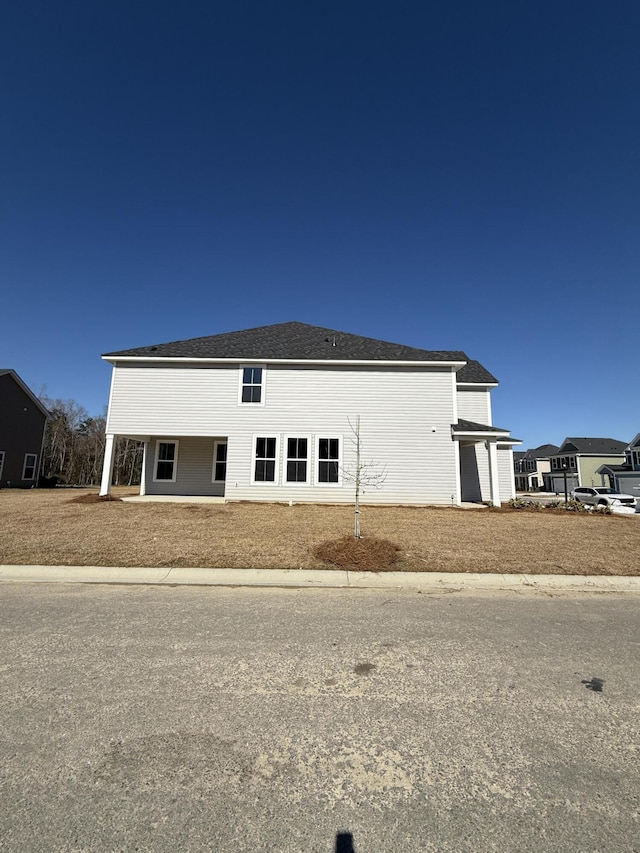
x=107 y=467
x=143 y=473
x=513 y=474
x=456 y=451
x=492 y=448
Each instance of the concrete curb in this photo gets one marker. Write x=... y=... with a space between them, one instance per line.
x=309 y=579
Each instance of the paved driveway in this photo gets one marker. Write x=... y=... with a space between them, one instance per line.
x=172 y=719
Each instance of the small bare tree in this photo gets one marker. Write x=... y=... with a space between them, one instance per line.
x=363 y=474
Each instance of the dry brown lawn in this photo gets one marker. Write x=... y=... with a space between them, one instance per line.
x=43 y=527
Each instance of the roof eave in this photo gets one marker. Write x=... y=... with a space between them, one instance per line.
x=476 y=384
x=502 y=436
x=113 y=359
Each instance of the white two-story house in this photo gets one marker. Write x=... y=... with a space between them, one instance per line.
x=533 y=468
x=267 y=414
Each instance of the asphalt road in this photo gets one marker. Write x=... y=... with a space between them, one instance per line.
x=166 y=719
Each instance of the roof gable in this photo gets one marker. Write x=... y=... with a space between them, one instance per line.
x=4 y=371
x=593 y=446
x=543 y=451
x=635 y=442
x=291 y=341
x=474 y=373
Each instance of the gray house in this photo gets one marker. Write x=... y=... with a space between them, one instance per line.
x=22 y=423
x=266 y=414
x=624 y=476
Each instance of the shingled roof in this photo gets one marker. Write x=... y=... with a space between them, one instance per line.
x=472 y=426
x=594 y=446
x=474 y=373
x=542 y=452
x=299 y=341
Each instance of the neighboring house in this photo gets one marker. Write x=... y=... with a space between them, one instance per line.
x=626 y=476
x=532 y=468
x=22 y=422
x=264 y=414
x=581 y=458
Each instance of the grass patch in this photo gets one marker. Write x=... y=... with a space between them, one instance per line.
x=363 y=555
x=41 y=527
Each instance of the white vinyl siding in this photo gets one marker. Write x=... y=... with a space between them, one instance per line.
x=506 y=478
x=474 y=405
x=405 y=414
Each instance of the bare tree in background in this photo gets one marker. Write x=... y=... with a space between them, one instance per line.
x=127 y=464
x=363 y=474
x=73 y=450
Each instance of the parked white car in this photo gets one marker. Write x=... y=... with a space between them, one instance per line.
x=602 y=496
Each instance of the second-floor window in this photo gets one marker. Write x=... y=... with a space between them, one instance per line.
x=252 y=385
x=566 y=462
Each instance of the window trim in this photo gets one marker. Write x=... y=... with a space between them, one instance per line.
x=217 y=442
x=286 y=459
x=160 y=441
x=317 y=461
x=263 y=384
x=34 y=465
x=276 y=458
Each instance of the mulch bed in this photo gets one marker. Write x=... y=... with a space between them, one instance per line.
x=362 y=555
x=93 y=498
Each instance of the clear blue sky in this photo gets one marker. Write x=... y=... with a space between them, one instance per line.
x=451 y=175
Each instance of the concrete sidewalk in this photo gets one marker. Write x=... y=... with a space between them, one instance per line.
x=308 y=578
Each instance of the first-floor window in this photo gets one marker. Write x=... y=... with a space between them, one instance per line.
x=166 y=461
x=328 y=460
x=29 y=468
x=219 y=461
x=264 y=470
x=297 y=460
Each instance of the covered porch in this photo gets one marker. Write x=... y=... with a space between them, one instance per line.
x=175 y=466
x=486 y=462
